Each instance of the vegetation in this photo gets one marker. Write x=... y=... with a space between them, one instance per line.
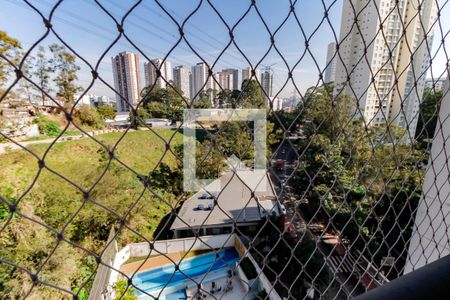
x=55 y=201
x=262 y=295
x=288 y=264
x=359 y=174
x=46 y=126
x=124 y=291
x=64 y=64
x=428 y=116
x=9 y=48
x=42 y=70
x=89 y=116
x=248 y=268
x=106 y=112
x=163 y=102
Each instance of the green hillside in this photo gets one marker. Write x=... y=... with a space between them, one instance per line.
x=61 y=205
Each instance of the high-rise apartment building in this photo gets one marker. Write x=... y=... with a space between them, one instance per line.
x=235 y=74
x=127 y=81
x=150 y=72
x=182 y=80
x=225 y=80
x=201 y=82
x=247 y=74
x=267 y=82
x=385 y=69
x=437 y=84
x=330 y=70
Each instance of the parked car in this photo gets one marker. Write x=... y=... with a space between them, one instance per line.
x=279 y=165
x=292 y=232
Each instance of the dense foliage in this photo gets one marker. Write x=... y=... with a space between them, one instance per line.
x=364 y=181
x=89 y=116
x=428 y=115
x=106 y=112
x=55 y=202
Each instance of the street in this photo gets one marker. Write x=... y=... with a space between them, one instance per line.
x=343 y=264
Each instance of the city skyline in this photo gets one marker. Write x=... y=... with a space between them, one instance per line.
x=208 y=41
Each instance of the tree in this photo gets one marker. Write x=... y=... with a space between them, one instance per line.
x=142 y=115
x=349 y=171
x=428 y=115
x=204 y=103
x=42 y=69
x=252 y=95
x=89 y=116
x=235 y=138
x=106 y=112
x=163 y=102
x=8 y=48
x=227 y=98
x=64 y=64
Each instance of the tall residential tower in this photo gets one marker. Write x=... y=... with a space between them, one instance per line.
x=201 y=82
x=127 y=81
x=385 y=69
x=150 y=72
x=182 y=80
x=267 y=82
x=247 y=74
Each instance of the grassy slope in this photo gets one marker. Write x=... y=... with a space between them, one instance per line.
x=55 y=201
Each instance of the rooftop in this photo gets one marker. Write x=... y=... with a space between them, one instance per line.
x=234 y=203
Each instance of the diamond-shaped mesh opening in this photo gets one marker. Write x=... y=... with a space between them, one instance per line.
x=93 y=196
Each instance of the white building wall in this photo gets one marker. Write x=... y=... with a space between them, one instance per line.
x=431 y=236
x=330 y=70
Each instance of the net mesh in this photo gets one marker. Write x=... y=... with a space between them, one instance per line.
x=347 y=174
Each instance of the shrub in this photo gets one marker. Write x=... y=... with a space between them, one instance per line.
x=51 y=128
x=124 y=291
x=89 y=116
x=106 y=112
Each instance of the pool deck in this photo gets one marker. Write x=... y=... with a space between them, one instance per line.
x=152 y=262
x=237 y=292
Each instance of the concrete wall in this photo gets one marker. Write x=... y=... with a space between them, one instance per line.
x=261 y=280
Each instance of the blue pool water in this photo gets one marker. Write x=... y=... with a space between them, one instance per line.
x=154 y=280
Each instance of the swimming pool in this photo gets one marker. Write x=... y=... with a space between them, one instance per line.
x=152 y=281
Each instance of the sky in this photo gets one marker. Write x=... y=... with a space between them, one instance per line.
x=90 y=31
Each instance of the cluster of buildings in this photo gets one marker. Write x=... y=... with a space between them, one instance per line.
x=382 y=62
x=192 y=81
x=94 y=100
